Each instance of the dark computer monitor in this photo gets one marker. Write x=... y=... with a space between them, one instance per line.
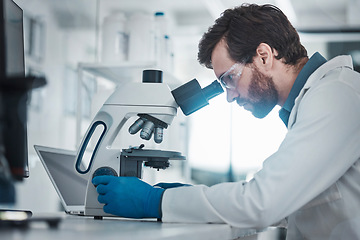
x=14 y=89
x=11 y=40
x=12 y=73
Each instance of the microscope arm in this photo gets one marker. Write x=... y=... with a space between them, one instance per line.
x=145 y=99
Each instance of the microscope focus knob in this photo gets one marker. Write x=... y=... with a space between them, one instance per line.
x=104 y=171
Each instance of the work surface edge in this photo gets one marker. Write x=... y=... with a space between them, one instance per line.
x=121 y=228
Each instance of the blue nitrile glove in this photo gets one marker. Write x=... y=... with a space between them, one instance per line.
x=171 y=185
x=128 y=197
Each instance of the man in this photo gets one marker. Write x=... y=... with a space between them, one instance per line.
x=313 y=180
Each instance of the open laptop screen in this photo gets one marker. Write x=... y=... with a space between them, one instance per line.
x=61 y=168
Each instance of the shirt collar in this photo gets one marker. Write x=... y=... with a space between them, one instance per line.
x=314 y=63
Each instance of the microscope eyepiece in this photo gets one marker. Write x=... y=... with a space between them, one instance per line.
x=212 y=90
x=191 y=97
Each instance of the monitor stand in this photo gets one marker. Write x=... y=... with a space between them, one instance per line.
x=11 y=140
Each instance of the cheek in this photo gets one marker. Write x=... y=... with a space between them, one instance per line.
x=243 y=84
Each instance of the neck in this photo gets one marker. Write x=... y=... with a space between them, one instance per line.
x=287 y=77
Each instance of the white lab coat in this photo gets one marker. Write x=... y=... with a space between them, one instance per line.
x=313 y=180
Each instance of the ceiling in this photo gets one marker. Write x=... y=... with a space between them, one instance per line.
x=200 y=14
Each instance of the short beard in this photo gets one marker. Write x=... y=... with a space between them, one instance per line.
x=263 y=93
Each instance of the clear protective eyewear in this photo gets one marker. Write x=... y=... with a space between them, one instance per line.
x=231 y=77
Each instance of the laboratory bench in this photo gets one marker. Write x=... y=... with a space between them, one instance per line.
x=80 y=227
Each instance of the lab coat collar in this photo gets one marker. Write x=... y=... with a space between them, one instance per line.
x=314 y=63
x=336 y=62
x=318 y=74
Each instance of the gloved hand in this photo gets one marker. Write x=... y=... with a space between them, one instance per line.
x=128 y=197
x=171 y=185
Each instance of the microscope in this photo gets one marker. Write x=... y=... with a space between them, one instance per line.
x=155 y=105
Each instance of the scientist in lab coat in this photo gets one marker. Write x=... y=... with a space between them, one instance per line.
x=313 y=180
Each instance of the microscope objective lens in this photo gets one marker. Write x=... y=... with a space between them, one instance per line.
x=136 y=126
x=147 y=130
x=158 y=135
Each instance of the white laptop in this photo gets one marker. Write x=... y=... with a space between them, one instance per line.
x=70 y=185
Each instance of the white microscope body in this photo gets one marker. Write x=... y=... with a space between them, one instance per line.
x=154 y=99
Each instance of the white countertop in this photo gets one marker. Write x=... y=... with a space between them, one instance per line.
x=79 y=227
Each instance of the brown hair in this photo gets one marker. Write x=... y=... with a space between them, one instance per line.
x=245 y=27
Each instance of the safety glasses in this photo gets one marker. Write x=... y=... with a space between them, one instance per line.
x=231 y=77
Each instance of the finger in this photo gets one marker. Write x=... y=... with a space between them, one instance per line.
x=104 y=179
x=102 y=199
x=107 y=209
x=102 y=189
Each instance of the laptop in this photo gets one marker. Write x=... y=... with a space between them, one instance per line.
x=69 y=184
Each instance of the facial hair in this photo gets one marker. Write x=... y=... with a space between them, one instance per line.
x=263 y=95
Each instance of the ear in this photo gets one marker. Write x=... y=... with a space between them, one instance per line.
x=264 y=56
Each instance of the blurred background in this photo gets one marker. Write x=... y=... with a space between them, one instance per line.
x=87 y=48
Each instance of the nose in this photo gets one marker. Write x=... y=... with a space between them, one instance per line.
x=231 y=95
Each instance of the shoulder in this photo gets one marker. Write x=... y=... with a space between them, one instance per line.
x=335 y=69
x=334 y=78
